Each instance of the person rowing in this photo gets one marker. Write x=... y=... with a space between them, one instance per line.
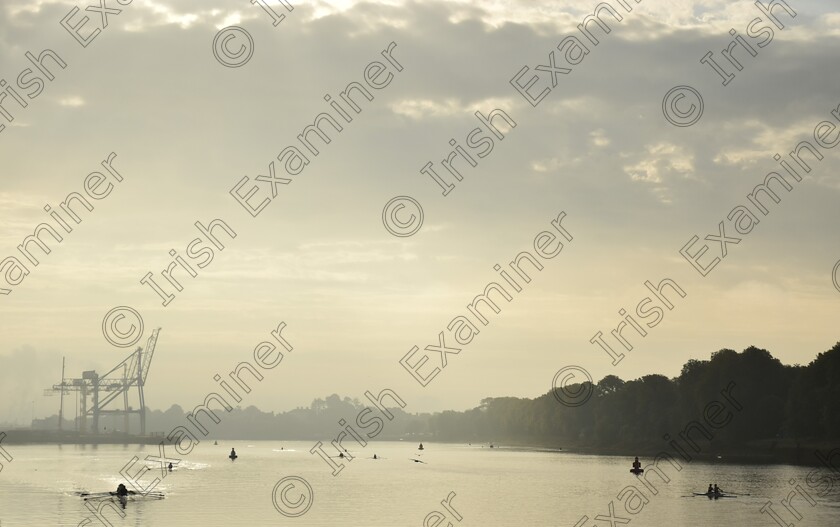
x=637 y=467
x=122 y=495
x=715 y=492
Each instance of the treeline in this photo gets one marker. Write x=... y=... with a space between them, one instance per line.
x=780 y=405
x=785 y=405
x=318 y=421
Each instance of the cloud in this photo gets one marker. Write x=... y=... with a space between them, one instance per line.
x=186 y=130
x=72 y=101
x=664 y=165
x=424 y=108
x=599 y=137
x=419 y=109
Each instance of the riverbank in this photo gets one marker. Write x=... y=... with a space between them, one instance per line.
x=40 y=437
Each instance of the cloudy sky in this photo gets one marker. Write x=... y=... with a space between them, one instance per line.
x=635 y=189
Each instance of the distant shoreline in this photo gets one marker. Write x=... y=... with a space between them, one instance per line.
x=46 y=437
x=781 y=452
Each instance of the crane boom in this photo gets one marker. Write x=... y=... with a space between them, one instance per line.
x=129 y=373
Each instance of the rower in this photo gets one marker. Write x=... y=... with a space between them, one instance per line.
x=170 y=467
x=374 y=457
x=121 y=490
x=717 y=489
x=636 y=464
x=420 y=447
x=233 y=453
x=711 y=490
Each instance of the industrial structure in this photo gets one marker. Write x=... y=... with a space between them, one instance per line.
x=108 y=390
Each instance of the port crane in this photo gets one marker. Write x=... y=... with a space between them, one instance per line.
x=104 y=390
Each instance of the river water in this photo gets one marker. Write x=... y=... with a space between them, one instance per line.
x=492 y=487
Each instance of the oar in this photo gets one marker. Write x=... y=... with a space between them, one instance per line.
x=102 y=495
x=149 y=494
x=732 y=494
x=121 y=497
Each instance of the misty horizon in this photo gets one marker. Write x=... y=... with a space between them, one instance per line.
x=50 y=422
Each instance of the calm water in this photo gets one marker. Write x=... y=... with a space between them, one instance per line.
x=493 y=487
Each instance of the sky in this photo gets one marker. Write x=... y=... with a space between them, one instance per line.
x=181 y=108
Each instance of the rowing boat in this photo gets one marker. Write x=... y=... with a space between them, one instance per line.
x=711 y=495
x=132 y=496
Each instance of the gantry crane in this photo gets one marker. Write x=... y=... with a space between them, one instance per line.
x=104 y=389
